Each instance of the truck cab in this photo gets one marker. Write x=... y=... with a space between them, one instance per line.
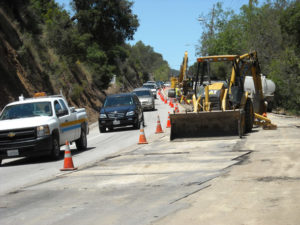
x=39 y=126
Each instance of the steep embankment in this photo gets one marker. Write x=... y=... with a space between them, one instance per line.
x=27 y=67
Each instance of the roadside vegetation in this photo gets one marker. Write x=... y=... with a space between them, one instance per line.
x=80 y=51
x=272 y=29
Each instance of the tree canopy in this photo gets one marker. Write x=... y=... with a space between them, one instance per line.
x=95 y=37
x=272 y=29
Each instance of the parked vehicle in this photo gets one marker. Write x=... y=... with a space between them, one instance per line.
x=146 y=97
x=150 y=82
x=39 y=126
x=152 y=87
x=160 y=84
x=167 y=84
x=120 y=110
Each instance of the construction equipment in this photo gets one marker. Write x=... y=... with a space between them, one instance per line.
x=177 y=83
x=220 y=110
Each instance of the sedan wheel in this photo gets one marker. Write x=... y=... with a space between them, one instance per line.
x=102 y=129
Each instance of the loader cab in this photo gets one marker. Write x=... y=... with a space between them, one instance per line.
x=220 y=74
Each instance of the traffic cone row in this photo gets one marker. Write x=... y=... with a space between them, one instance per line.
x=168 y=122
x=171 y=103
x=176 y=108
x=68 y=162
x=142 y=139
x=158 y=126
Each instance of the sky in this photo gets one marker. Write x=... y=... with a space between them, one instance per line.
x=171 y=27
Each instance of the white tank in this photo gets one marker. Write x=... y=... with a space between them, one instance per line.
x=268 y=86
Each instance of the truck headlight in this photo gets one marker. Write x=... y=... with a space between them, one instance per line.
x=43 y=130
x=130 y=113
x=103 y=116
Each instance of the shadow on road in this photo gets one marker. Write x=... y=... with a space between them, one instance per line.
x=39 y=159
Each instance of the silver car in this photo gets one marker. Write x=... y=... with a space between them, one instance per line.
x=152 y=87
x=146 y=97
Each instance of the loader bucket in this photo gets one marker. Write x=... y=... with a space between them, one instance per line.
x=205 y=124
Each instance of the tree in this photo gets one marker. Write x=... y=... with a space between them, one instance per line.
x=273 y=30
x=110 y=22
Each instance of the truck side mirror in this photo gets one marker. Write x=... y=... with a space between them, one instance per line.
x=72 y=109
x=61 y=112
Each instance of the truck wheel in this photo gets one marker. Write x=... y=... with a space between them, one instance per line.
x=81 y=143
x=241 y=127
x=249 y=115
x=55 y=148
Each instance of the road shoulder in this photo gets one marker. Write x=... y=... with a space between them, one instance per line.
x=263 y=189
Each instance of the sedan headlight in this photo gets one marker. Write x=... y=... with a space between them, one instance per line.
x=43 y=130
x=103 y=116
x=130 y=113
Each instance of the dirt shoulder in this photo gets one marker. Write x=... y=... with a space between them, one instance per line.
x=263 y=189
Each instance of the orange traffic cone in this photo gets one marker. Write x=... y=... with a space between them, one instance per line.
x=166 y=101
x=168 y=122
x=68 y=162
x=142 y=139
x=176 y=108
x=158 y=126
x=172 y=105
x=264 y=114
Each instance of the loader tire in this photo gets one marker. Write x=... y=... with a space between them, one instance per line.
x=242 y=124
x=249 y=115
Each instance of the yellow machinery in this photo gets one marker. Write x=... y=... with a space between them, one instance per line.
x=176 y=83
x=220 y=110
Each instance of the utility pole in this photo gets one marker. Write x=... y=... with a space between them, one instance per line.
x=211 y=25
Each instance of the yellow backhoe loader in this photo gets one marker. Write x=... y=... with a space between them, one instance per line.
x=177 y=83
x=220 y=110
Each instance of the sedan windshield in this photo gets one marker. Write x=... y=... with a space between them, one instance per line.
x=118 y=101
x=142 y=93
x=26 y=110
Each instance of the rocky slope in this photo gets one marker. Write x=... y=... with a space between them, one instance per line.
x=27 y=67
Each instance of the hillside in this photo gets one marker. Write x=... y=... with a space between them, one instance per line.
x=42 y=49
x=24 y=73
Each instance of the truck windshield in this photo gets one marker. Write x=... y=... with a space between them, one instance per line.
x=26 y=110
x=118 y=101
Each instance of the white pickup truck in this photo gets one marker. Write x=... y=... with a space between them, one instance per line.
x=39 y=126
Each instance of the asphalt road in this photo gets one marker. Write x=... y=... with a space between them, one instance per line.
x=120 y=182
x=21 y=172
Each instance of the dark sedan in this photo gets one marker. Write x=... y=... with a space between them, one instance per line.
x=121 y=110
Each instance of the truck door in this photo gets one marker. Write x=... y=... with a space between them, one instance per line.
x=74 y=126
x=63 y=117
